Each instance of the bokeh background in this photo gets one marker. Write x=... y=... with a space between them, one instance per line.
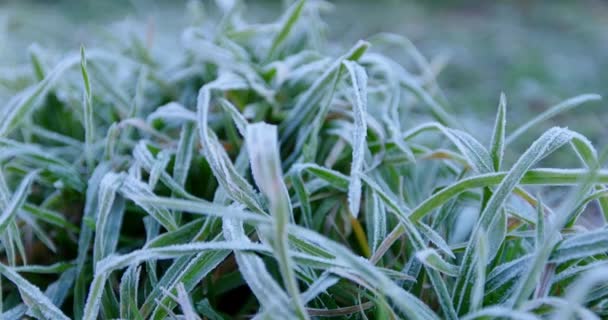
x=537 y=52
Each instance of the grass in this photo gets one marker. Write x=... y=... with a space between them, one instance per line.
x=255 y=174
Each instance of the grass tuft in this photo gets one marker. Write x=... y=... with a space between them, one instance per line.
x=255 y=174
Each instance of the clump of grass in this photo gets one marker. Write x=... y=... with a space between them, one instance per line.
x=254 y=174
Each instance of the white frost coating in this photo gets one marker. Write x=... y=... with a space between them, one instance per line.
x=263 y=150
x=34 y=295
x=359 y=82
x=431 y=258
x=261 y=283
x=171 y=111
x=475 y=153
x=11 y=207
x=224 y=171
x=436 y=239
x=497 y=145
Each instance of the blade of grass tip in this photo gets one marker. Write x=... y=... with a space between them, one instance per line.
x=432 y=259
x=34 y=52
x=289 y=19
x=159 y=167
x=263 y=149
x=111 y=139
x=183 y=157
x=33 y=295
x=14 y=205
x=436 y=239
x=237 y=117
x=171 y=111
x=497 y=146
x=359 y=82
x=89 y=126
x=551 y=112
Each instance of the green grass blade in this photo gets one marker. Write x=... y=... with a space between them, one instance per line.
x=497 y=147
x=359 y=81
x=289 y=20
x=263 y=149
x=551 y=112
x=32 y=294
x=89 y=126
x=14 y=205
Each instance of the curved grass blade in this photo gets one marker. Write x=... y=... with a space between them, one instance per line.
x=551 y=112
x=547 y=143
x=89 y=125
x=289 y=20
x=359 y=81
x=32 y=295
x=432 y=259
x=263 y=149
x=16 y=202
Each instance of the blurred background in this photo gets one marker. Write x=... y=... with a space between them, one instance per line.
x=537 y=52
